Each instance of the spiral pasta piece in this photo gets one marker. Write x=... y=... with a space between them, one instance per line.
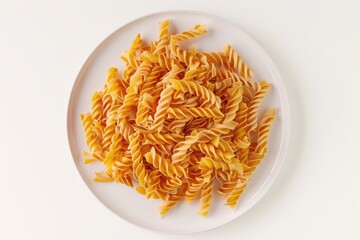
x=145 y=103
x=124 y=128
x=165 y=61
x=163 y=105
x=150 y=81
x=267 y=120
x=255 y=104
x=151 y=190
x=91 y=140
x=164 y=165
x=186 y=102
x=183 y=55
x=115 y=86
x=235 y=194
x=137 y=78
x=220 y=88
x=109 y=130
x=194 y=32
x=114 y=149
x=207 y=166
x=130 y=100
x=124 y=179
x=194 y=189
x=170 y=203
x=241 y=119
x=107 y=102
x=181 y=149
x=96 y=107
x=140 y=173
x=164 y=35
x=237 y=63
x=102 y=176
x=217 y=58
x=172 y=74
x=234 y=99
x=227 y=184
x=123 y=165
x=129 y=56
x=88 y=158
x=206 y=197
x=160 y=139
x=181 y=113
x=210 y=150
x=195 y=88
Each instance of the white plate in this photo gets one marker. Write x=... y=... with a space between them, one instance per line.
x=125 y=201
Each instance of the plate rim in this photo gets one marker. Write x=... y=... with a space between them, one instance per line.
x=286 y=126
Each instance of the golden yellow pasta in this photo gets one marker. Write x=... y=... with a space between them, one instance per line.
x=174 y=121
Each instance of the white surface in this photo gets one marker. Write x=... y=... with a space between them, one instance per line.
x=315 y=45
x=126 y=202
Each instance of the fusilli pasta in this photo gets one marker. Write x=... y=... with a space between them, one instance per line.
x=175 y=121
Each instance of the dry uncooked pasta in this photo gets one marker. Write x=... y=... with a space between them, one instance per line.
x=176 y=121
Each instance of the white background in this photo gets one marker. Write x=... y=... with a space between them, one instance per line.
x=316 y=46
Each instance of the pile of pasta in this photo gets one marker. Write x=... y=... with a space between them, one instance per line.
x=176 y=120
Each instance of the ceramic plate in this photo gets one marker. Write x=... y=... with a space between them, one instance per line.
x=125 y=201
